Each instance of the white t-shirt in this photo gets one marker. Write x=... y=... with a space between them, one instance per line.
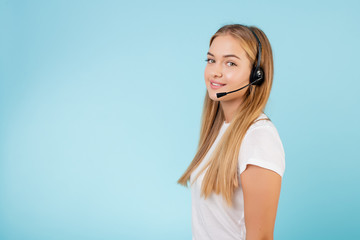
x=212 y=219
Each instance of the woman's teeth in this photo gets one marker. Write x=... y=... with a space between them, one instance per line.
x=215 y=84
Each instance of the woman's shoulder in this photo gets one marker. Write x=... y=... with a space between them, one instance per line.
x=263 y=121
x=262 y=146
x=263 y=128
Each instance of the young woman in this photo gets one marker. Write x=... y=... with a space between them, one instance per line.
x=237 y=171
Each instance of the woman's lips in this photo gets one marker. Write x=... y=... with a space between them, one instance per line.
x=216 y=87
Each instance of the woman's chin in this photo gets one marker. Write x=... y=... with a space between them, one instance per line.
x=212 y=96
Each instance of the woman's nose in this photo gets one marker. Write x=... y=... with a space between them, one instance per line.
x=217 y=71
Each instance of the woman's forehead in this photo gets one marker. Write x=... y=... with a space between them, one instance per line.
x=224 y=45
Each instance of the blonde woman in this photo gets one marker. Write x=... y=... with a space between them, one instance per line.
x=237 y=171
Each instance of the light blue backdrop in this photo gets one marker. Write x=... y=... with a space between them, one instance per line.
x=100 y=106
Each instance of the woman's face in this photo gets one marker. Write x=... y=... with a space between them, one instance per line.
x=227 y=65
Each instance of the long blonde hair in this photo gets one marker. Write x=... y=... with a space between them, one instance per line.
x=222 y=175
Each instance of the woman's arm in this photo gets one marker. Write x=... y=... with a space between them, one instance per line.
x=261 y=188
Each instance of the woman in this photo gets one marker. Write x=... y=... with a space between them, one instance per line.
x=237 y=171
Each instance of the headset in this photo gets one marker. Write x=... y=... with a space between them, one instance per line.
x=256 y=75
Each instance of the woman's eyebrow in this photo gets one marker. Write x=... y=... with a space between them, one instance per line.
x=228 y=55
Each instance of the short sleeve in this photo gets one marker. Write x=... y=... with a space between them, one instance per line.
x=262 y=146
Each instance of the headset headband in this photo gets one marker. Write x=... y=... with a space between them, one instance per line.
x=259 y=48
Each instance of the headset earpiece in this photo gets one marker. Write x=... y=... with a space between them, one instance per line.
x=256 y=76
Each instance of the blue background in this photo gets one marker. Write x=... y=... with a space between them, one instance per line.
x=100 y=107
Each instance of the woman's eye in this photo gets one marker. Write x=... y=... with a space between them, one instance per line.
x=209 y=60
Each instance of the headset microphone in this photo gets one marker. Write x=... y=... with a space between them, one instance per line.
x=219 y=95
x=256 y=75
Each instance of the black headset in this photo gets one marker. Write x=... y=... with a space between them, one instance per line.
x=257 y=74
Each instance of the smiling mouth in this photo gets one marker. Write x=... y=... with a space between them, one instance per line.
x=217 y=84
